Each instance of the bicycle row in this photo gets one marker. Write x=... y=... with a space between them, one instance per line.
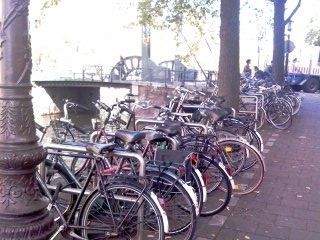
x=152 y=182
x=269 y=103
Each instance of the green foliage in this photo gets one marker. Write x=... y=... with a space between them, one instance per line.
x=173 y=14
x=313 y=35
x=50 y=3
x=260 y=15
x=178 y=15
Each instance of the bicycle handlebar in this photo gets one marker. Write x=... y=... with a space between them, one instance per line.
x=81 y=107
x=193 y=92
x=39 y=127
x=183 y=90
x=151 y=106
x=98 y=104
x=123 y=108
x=68 y=104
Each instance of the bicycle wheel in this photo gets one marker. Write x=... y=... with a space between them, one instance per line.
x=180 y=207
x=279 y=114
x=244 y=162
x=121 y=211
x=219 y=186
x=243 y=131
x=59 y=132
x=199 y=187
x=218 y=183
x=80 y=166
x=102 y=136
x=260 y=118
x=295 y=102
x=56 y=173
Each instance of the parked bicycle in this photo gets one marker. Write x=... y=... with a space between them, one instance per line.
x=120 y=207
x=62 y=129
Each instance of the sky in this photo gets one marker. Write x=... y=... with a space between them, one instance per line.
x=97 y=32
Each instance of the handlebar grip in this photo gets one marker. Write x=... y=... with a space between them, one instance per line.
x=39 y=127
x=130 y=101
x=104 y=106
x=157 y=107
x=123 y=108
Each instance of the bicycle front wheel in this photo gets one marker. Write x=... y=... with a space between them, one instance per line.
x=279 y=114
x=245 y=164
x=180 y=207
x=219 y=186
x=121 y=211
x=216 y=179
x=56 y=173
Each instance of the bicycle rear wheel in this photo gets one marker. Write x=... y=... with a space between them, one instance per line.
x=121 y=211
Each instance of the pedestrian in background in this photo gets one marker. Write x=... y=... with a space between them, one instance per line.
x=258 y=74
x=247 y=72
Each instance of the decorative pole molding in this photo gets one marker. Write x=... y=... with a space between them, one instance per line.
x=23 y=210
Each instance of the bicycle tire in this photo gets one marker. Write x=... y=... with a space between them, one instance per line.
x=249 y=177
x=279 y=114
x=247 y=133
x=295 y=102
x=180 y=207
x=102 y=208
x=219 y=186
x=199 y=187
x=61 y=132
x=55 y=173
x=218 y=182
x=261 y=118
x=208 y=145
x=79 y=165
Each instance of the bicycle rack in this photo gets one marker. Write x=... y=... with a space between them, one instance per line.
x=253 y=102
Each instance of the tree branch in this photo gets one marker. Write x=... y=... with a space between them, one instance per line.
x=293 y=12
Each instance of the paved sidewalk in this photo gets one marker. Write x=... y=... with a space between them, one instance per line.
x=287 y=205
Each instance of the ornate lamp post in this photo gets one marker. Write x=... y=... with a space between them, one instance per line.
x=23 y=213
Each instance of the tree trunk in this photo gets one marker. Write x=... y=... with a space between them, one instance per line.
x=229 y=71
x=278 y=42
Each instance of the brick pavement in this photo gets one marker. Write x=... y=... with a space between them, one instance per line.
x=287 y=204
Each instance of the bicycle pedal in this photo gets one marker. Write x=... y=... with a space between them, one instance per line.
x=76 y=236
x=61 y=228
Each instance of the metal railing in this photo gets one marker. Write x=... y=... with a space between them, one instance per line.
x=100 y=73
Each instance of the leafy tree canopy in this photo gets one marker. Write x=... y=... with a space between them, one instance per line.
x=168 y=14
x=313 y=35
